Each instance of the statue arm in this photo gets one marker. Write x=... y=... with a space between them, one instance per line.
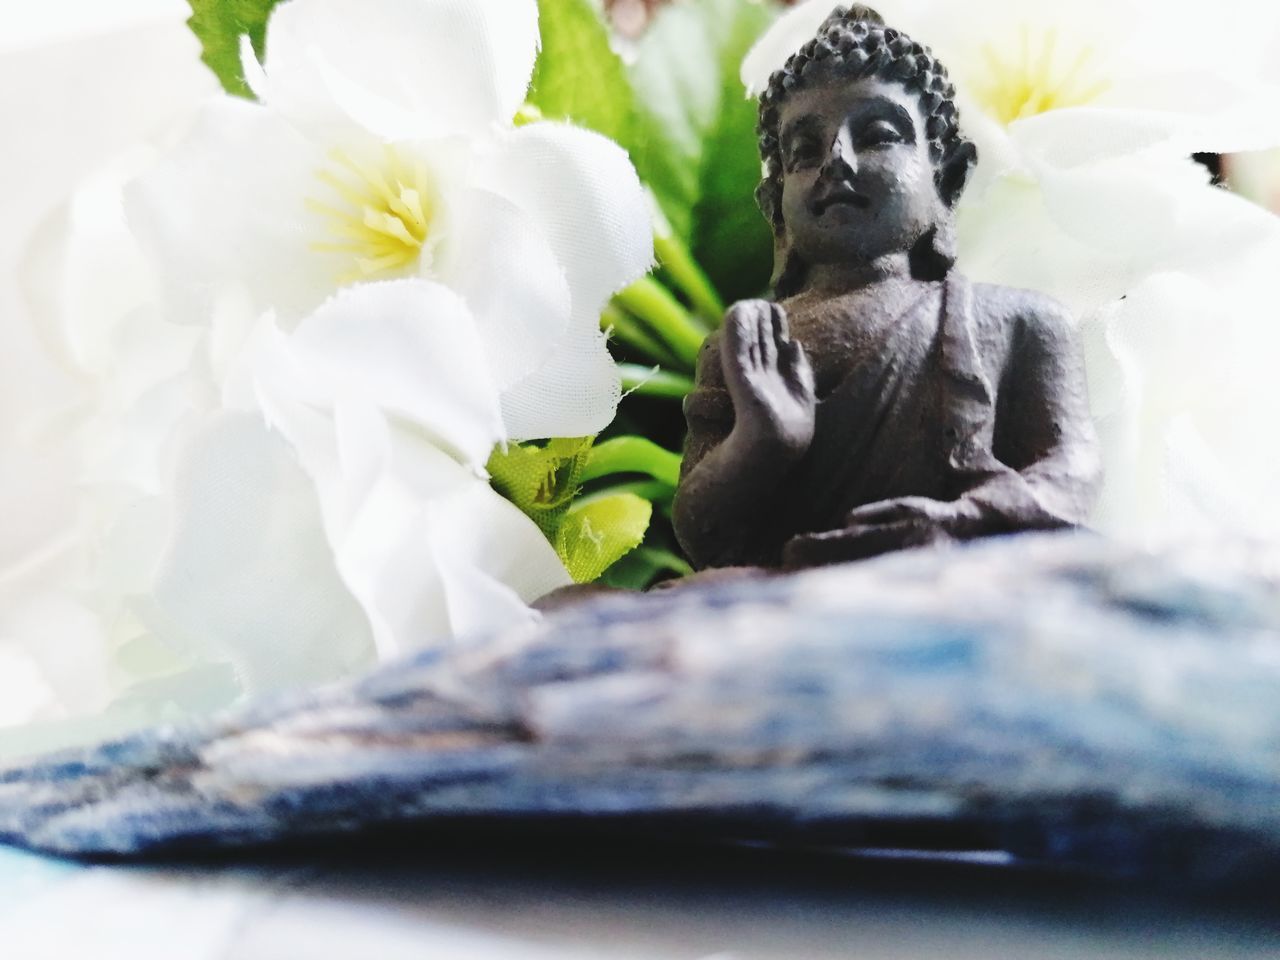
x=717 y=489
x=1043 y=434
x=745 y=434
x=1042 y=474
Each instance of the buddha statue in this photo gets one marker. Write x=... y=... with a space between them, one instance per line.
x=881 y=400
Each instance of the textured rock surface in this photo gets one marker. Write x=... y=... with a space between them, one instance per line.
x=1061 y=698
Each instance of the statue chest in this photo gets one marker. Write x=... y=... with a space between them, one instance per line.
x=850 y=342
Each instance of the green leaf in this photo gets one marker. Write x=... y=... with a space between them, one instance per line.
x=541 y=479
x=578 y=77
x=654 y=382
x=633 y=455
x=219 y=25
x=695 y=140
x=591 y=533
x=643 y=566
x=596 y=533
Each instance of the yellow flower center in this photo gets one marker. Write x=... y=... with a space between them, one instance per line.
x=377 y=212
x=1040 y=77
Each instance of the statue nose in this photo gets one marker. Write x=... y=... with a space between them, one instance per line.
x=842 y=162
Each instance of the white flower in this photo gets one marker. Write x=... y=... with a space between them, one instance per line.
x=1256 y=175
x=1171 y=280
x=384 y=148
x=433 y=278
x=345 y=298
x=1043 y=83
x=393 y=419
x=251 y=511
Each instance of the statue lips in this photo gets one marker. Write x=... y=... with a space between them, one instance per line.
x=839 y=193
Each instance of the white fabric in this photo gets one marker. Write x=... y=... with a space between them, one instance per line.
x=498 y=258
x=403 y=69
x=1160 y=73
x=266 y=472
x=226 y=207
x=435 y=83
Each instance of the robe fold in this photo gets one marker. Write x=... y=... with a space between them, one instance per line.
x=975 y=391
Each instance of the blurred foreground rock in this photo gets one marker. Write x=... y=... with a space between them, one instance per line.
x=1062 y=699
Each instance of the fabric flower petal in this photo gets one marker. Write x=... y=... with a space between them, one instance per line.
x=583 y=192
x=574 y=394
x=497 y=257
x=226 y=208
x=1141 y=80
x=493 y=559
x=408 y=347
x=789 y=33
x=248 y=576
x=404 y=69
x=426 y=546
x=459 y=561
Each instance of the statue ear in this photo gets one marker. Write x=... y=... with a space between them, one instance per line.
x=934 y=254
x=955 y=170
x=789 y=269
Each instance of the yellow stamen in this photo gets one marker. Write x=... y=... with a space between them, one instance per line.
x=379 y=212
x=1038 y=79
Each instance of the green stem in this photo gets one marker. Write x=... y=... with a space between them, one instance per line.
x=655 y=491
x=684 y=270
x=664 y=315
x=632 y=454
x=665 y=559
x=653 y=382
x=630 y=331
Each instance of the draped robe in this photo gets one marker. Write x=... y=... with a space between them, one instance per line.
x=975 y=392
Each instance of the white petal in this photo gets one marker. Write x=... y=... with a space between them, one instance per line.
x=1224 y=94
x=59 y=646
x=789 y=33
x=583 y=192
x=408 y=347
x=1142 y=76
x=227 y=208
x=447 y=566
x=1172 y=452
x=1256 y=175
x=498 y=258
x=91 y=270
x=574 y=394
x=402 y=69
x=1089 y=234
x=492 y=558
x=1082 y=135
x=249 y=577
x=1158 y=215
x=429 y=548
x=1009 y=237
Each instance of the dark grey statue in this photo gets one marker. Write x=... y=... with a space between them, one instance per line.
x=883 y=401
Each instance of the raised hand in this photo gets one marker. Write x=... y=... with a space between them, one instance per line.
x=768 y=378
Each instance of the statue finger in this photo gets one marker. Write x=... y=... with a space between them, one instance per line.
x=882 y=511
x=781 y=332
x=738 y=345
x=795 y=363
x=766 y=339
x=738 y=327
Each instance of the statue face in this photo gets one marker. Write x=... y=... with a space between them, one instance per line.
x=858 y=181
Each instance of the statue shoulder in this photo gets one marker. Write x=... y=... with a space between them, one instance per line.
x=1018 y=315
x=708 y=373
x=709 y=400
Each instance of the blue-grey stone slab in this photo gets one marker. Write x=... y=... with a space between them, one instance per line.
x=1062 y=698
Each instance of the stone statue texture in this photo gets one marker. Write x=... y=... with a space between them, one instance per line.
x=882 y=400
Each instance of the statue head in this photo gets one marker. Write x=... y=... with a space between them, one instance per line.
x=862 y=151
